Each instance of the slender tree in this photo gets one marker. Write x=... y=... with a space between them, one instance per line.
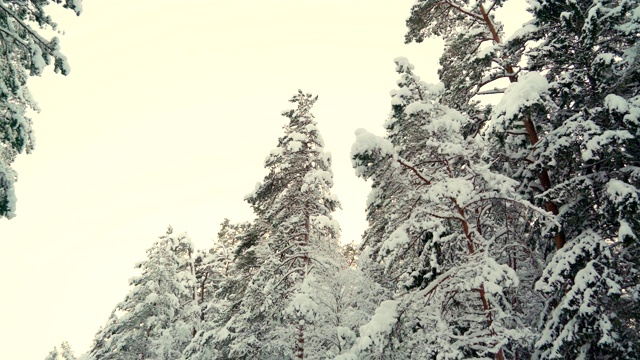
x=67 y=353
x=295 y=201
x=221 y=285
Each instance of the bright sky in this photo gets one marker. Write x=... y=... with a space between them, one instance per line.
x=166 y=118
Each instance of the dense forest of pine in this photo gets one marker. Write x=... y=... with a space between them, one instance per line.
x=502 y=229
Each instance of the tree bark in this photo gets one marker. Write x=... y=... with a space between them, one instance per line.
x=471 y=248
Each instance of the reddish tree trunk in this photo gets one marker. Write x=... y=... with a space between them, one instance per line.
x=532 y=134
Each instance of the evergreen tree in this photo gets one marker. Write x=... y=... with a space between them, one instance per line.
x=295 y=201
x=445 y=236
x=475 y=57
x=571 y=119
x=154 y=321
x=221 y=286
x=67 y=353
x=24 y=53
x=587 y=103
x=53 y=355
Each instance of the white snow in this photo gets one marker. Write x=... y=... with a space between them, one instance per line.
x=77 y=6
x=520 y=95
x=397 y=238
x=455 y=188
x=368 y=143
x=487 y=50
x=36 y=58
x=625 y=230
x=595 y=143
x=297 y=136
x=524 y=30
x=379 y=325
x=616 y=103
x=294 y=145
x=417 y=107
x=620 y=192
x=402 y=63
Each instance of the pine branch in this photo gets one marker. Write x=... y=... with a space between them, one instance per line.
x=458 y=8
x=44 y=42
x=415 y=171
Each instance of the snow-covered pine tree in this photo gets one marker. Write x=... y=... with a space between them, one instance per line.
x=66 y=354
x=221 y=286
x=587 y=101
x=474 y=58
x=445 y=236
x=53 y=354
x=24 y=53
x=151 y=322
x=295 y=201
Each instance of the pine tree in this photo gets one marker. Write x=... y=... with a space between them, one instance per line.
x=475 y=57
x=445 y=236
x=221 y=286
x=67 y=353
x=53 y=355
x=24 y=53
x=155 y=315
x=295 y=201
x=587 y=103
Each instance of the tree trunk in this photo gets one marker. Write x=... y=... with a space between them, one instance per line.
x=532 y=134
x=471 y=248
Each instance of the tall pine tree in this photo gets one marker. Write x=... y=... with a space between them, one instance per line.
x=588 y=105
x=294 y=203
x=445 y=240
x=151 y=322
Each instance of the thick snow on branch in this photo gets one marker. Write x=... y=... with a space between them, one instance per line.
x=380 y=325
x=622 y=193
x=520 y=95
x=367 y=146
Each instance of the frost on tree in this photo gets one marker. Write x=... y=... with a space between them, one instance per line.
x=293 y=205
x=153 y=321
x=24 y=53
x=446 y=241
x=344 y=301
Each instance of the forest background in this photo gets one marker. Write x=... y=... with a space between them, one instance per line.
x=154 y=116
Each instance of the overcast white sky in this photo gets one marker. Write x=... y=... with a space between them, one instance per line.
x=166 y=118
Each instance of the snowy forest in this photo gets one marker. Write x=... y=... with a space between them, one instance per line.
x=502 y=217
